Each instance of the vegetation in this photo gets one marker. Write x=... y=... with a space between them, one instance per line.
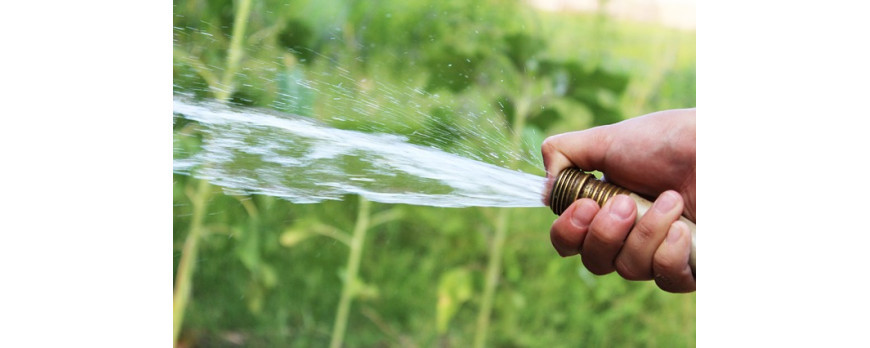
x=485 y=79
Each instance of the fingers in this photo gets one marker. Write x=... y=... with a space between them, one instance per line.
x=656 y=247
x=569 y=230
x=671 y=261
x=607 y=234
x=634 y=261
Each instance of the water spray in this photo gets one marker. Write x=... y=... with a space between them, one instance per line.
x=573 y=184
x=257 y=152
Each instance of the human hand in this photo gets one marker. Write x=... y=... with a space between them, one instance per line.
x=653 y=156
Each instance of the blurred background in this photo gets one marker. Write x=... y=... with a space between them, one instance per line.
x=252 y=270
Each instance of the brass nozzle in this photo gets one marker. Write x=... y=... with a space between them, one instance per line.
x=573 y=184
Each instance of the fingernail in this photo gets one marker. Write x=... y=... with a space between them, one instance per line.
x=582 y=217
x=674 y=233
x=621 y=207
x=665 y=202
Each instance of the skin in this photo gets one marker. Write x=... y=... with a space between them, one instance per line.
x=653 y=156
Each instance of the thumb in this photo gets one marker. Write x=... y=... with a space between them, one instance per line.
x=586 y=149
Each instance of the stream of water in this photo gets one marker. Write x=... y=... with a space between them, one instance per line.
x=256 y=151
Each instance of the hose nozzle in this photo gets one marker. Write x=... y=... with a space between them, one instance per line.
x=573 y=184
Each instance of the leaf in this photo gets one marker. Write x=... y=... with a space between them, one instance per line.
x=454 y=289
x=291 y=237
x=248 y=248
x=364 y=291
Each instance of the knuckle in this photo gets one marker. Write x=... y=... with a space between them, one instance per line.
x=644 y=232
x=548 y=146
x=629 y=271
x=609 y=236
x=652 y=228
x=548 y=142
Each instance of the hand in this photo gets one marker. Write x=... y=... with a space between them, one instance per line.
x=651 y=155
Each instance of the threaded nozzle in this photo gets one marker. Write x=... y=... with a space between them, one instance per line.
x=573 y=184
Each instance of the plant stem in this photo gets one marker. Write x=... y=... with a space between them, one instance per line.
x=493 y=266
x=234 y=54
x=187 y=264
x=184 y=276
x=348 y=289
x=493 y=272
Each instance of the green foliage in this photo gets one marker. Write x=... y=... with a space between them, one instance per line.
x=488 y=80
x=596 y=89
x=454 y=289
x=297 y=37
x=522 y=50
x=452 y=70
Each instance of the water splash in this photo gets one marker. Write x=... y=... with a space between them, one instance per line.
x=258 y=151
